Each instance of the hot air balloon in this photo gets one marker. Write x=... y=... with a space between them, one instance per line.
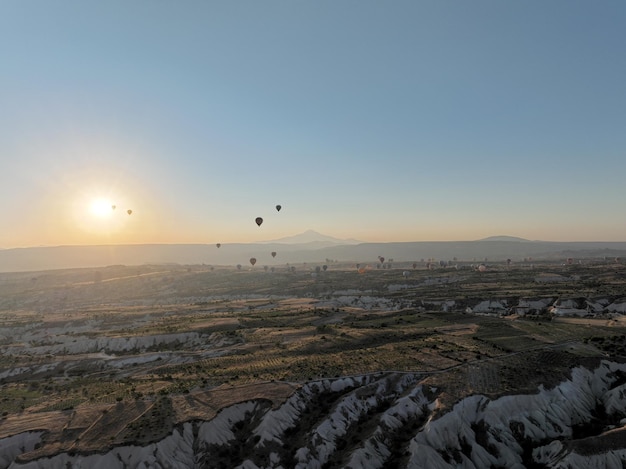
x=238 y=266
x=129 y=211
x=273 y=253
x=482 y=268
x=112 y=207
x=218 y=245
x=415 y=265
x=252 y=260
x=325 y=267
x=259 y=221
x=278 y=207
x=381 y=259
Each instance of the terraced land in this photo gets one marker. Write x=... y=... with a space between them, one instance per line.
x=103 y=357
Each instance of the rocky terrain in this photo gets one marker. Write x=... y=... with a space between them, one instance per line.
x=183 y=367
x=386 y=420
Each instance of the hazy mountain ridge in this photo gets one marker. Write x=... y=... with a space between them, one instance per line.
x=505 y=238
x=312 y=236
x=317 y=249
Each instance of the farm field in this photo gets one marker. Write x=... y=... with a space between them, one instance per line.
x=98 y=358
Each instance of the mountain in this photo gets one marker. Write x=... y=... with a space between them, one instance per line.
x=306 y=247
x=505 y=238
x=311 y=236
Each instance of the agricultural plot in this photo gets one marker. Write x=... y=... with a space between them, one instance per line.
x=128 y=353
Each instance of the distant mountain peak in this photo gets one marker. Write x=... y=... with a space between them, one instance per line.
x=312 y=236
x=505 y=238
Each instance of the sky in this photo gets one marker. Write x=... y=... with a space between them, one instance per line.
x=433 y=120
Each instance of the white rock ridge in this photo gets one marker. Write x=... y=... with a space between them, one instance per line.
x=386 y=420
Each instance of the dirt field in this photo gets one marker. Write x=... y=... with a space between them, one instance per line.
x=102 y=357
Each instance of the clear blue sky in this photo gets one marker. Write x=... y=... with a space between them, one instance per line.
x=381 y=121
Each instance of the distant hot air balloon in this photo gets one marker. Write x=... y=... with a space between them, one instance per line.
x=415 y=265
x=129 y=211
x=570 y=261
x=238 y=266
x=325 y=267
x=112 y=207
x=482 y=268
x=219 y=245
x=252 y=260
x=273 y=253
x=259 y=221
x=278 y=207
x=358 y=266
x=381 y=259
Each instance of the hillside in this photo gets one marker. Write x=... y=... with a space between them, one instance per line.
x=514 y=366
x=62 y=257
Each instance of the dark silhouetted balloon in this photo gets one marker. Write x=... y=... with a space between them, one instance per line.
x=259 y=221
x=278 y=207
x=218 y=245
x=129 y=211
x=325 y=267
x=381 y=259
x=273 y=253
x=252 y=260
x=415 y=265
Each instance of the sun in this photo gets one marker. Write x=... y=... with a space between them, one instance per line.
x=101 y=208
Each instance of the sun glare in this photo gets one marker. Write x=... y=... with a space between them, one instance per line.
x=101 y=208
